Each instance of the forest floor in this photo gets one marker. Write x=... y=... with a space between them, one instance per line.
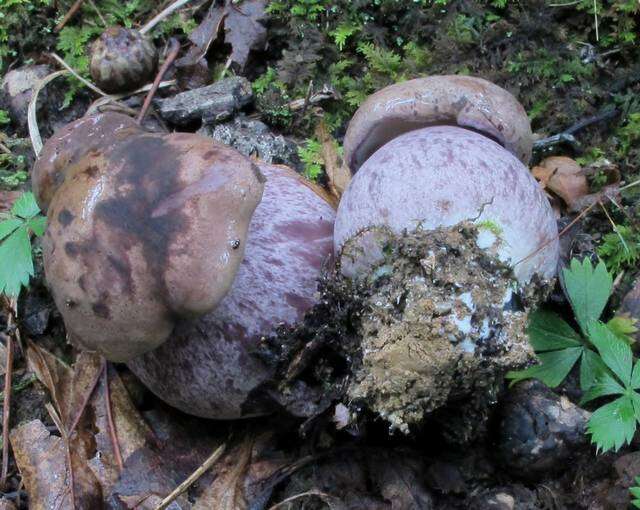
x=311 y=63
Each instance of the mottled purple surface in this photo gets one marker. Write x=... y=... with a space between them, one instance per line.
x=207 y=368
x=440 y=176
x=465 y=101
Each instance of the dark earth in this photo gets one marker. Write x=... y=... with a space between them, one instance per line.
x=527 y=448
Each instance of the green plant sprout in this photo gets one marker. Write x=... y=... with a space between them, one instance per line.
x=635 y=493
x=607 y=365
x=15 y=243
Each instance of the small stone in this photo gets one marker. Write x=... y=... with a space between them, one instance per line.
x=539 y=431
x=211 y=104
x=254 y=138
x=17 y=87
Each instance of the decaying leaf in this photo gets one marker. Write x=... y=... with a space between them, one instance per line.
x=42 y=460
x=564 y=177
x=243 y=31
x=338 y=174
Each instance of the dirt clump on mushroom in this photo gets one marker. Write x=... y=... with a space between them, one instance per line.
x=443 y=316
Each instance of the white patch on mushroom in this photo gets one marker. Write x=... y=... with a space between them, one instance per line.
x=486 y=239
x=467 y=345
x=464 y=324
x=467 y=299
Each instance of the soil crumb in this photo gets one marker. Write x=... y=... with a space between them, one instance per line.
x=441 y=315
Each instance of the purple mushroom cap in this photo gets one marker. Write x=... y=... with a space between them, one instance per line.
x=441 y=176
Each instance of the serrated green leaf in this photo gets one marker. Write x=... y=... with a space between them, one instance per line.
x=612 y=425
x=636 y=503
x=635 y=491
x=37 y=225
x=17 y=265
x=635 y=376
x=606 y=385
x=615 y=353
x=588 y=290
x=548 y=332
x=25 y=206
x=591 y=368
x=554 y=367
x=8 y=226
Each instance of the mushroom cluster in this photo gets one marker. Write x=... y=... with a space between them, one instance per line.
x=179 y=256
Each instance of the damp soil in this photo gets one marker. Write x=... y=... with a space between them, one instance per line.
x=439 y=429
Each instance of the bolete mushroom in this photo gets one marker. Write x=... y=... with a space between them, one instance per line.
x=122 y=59
x=208 y=367
x=446 y=220
x=163 y=252
x=464 y=101
x=144 y=229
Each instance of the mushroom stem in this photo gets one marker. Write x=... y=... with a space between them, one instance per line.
x=174 y=48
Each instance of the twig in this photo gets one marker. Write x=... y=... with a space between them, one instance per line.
x=95 y=8
x=174 y=48
x=32 y=121
x=85 y=402
x=162 y=15
x=59 y=59
x=70 y=13
x=321 y=495
x=192 y=478
x=567 y=135
x=5 y=149
x=65 y=437
x=560 y=234
x=112 y=426
x=6 y=409
x=614 y=227
x=595 y=16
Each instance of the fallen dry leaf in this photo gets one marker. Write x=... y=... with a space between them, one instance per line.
x=42 y=461
x=338 y=174
x=5 y=504
x=564 y=177
x=243 y=31
x=132 y=431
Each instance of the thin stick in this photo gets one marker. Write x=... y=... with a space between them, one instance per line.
x=595 y=15
x=615 y=227
x=560 y=234
x=112 y=426
x=5 y=149
x=70 y=13
x=162 y=15
x=85 y=402
x=174 y=48
x=6 y=409
x=95 y=8
x=321 y=495
x=192 y=478
x=32 y=121
x=59 y=59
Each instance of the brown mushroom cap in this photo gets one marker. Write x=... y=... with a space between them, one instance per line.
x=464 y=101
x=143 y=231
x=64 y=149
